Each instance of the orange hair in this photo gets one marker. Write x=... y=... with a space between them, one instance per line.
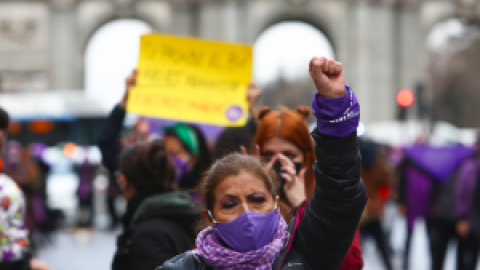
x=292 y=127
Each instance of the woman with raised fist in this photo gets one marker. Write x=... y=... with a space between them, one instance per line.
x=246 y=229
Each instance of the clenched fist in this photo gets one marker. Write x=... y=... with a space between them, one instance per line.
x=328 y=77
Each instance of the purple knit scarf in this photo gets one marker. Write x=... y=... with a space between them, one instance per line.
x=219 y=257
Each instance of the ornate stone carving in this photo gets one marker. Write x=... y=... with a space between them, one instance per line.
x=23 y=26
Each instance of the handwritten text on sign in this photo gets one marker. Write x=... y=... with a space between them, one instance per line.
x=192 y=80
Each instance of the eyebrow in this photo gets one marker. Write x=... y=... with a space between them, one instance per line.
x=256 y=192
x=228 y=196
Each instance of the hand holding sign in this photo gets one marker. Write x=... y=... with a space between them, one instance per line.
x=130 y=82
x=253 y=96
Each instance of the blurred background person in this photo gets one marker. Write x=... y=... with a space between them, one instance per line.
x=427 y=190
x=111 y=144
x=86 y=172
x=468 y=237
x=24 y=170
x=159 y=223
x=187 y=147
x=15 y=253
x=377 y=174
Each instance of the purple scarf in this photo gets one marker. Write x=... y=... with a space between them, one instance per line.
x=219 y=257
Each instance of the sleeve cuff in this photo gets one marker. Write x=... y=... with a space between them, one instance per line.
x=337 y=117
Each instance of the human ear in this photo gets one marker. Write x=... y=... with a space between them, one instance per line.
x=207 y=217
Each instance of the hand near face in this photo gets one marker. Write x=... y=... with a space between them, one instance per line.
x=294 y=187
x=328 y=77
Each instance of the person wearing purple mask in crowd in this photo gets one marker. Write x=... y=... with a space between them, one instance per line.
x=187 y=147
x=245 y=228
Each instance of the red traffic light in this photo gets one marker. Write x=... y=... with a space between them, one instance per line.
x=405 y=98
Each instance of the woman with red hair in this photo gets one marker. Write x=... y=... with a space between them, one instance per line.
x=284 y=143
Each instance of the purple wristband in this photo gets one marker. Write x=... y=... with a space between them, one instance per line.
x=337 y=117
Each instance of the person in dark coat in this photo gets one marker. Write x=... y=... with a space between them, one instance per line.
x=377 y=175
x=232 y=138
x=110 y=147
x=246 y=230
x=159 y=222
x=468 y=239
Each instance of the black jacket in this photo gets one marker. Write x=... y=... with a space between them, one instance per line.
x=23 y=264
x=109 y=141
x=157 y=227
x=330 y=219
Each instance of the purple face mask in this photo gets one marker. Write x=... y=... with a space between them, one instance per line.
x=249 y=231
x=181 y=167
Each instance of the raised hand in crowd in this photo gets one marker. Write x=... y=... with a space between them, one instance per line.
x=253 y=96
x=328 y=76
x=130 y=82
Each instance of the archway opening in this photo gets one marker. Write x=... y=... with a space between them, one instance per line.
x=110 y=56
x=281 y=57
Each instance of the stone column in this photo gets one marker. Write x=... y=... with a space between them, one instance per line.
x=66 y=61
x=371 y=59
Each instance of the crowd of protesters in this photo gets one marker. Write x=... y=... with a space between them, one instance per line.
x=272 y=194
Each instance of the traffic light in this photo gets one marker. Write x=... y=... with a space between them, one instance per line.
x=423 y=107
x=405 y=99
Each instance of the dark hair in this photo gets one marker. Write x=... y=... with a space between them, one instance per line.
x=146 y=166
x=234 y=164
x=204 y=159
x=4 y=119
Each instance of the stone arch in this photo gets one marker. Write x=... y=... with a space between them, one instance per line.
x=104 y=21
x=91 y=32
x=99 y=57
x=320 y=24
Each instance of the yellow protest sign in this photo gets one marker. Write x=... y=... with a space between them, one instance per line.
x=192 y=80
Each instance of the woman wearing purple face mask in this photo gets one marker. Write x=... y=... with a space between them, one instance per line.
x=245 y=228
x=187 y=147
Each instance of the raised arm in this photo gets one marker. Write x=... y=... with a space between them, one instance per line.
x=331 y=216
x=109 y=140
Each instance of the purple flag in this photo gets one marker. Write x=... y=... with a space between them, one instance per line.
x=439 y=162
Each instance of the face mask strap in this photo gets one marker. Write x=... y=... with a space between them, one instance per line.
x=187 y=159
x=211 y=216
